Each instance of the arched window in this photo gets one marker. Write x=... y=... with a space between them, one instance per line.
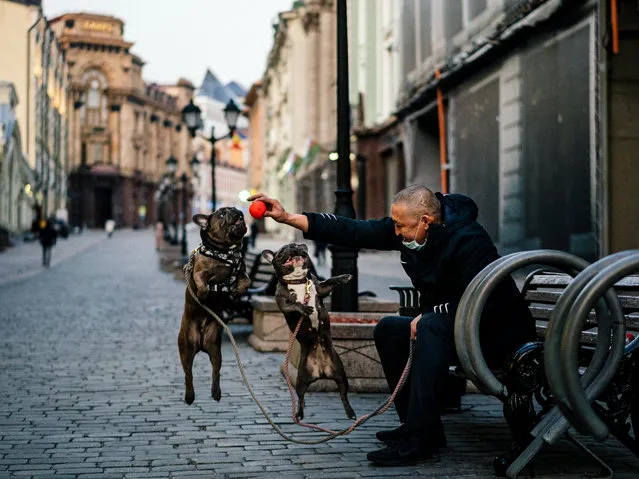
x=94 y=110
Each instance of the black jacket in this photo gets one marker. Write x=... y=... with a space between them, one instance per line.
x=48 y=235
x=456 y=250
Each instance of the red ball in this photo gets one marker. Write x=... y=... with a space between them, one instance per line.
x=257 y=209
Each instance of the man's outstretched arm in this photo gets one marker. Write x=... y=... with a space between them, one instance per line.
x=332 y=229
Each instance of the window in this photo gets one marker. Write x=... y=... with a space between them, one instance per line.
x=408 y=36
x=94 y=111
x=97 y=153
x=425 y=28
x=453 y=18
x=475 y=7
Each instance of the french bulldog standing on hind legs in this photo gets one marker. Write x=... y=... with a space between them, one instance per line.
x=299 y=295
x=215 y=271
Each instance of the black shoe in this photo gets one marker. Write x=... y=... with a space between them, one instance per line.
x=403 y=453
x=391 y=436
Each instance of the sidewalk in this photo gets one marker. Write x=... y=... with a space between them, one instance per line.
x=25 y=259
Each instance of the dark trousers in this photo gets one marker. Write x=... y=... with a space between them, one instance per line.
x=46 y=255
x=418 y=403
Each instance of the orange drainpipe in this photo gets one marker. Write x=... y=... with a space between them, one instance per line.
x=615 y=26
x=442 y=136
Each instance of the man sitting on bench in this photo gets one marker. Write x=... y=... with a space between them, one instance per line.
x=442 y=249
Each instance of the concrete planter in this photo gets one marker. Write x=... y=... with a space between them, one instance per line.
x=354 y=343
x=168 y=256
x=270 y=332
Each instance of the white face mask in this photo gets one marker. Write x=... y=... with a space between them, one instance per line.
x=414 y=245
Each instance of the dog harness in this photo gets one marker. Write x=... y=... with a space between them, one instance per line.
x=231 y=258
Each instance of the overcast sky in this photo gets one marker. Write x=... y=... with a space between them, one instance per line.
x=185 y=37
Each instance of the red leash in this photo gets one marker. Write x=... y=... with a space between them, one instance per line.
x=380 y=410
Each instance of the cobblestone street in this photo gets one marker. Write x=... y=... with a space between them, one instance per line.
x=91 y=386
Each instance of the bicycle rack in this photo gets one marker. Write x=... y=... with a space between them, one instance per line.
x=467 y=324
x=579 y=399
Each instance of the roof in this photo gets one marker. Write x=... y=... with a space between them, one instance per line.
x=237 y=89
x=214 y=89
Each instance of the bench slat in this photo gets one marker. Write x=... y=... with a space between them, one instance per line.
x=627 y=302
x=542 y=312
x=630 y=282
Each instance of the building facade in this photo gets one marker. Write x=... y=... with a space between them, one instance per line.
x=528 y=125
x=299 y=87
x=256 y=115
x=375 y=78
x=33 y=61
x=16 y=177
x=121 y=129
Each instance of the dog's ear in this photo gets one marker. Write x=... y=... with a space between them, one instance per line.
x=268 y=255
x=201 y=220
x=303 y=246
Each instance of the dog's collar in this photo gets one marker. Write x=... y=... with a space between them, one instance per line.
x=295 y=281
x=206 y=241
x=232 y=258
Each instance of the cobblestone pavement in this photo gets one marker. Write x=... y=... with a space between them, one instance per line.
x=91 y=386
x=25 y=259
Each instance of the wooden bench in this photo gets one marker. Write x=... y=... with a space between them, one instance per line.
x=524 y=372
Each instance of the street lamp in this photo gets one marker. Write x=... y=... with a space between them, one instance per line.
x=195 y=166
x=344 y=259
x=192 y=117
x=171 y=168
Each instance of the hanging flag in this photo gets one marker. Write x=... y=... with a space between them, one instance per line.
x=236 y=142
x=312 y=148
x=289 y=166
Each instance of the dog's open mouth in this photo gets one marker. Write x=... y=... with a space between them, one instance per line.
x=295 y=260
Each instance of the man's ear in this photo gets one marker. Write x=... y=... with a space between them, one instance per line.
x=268 y=255
x=201 y=220
x=428 y=220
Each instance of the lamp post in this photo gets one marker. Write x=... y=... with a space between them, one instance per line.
x=344 y=259
x=171 y=168
x=192 y=117
x=195 y=166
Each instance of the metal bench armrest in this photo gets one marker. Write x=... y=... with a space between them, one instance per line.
x=408 y=300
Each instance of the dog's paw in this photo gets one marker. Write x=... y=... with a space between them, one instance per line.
x=216 y=394
x=300 y=413
x=189 y=398
x=344 y=278
x=203 y=295
x=350 y=413
x=307 y=310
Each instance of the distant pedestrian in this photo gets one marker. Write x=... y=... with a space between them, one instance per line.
x=320 y=252
x=159 y=235
x=254 y=231
x=48 y=237
x=109 y=226
x=142 y=215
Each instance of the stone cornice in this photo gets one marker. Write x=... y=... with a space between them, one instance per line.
x=67 y=38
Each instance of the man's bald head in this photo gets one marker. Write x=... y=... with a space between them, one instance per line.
x=419 y=200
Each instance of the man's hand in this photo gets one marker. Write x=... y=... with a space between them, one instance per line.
x=275 y=210
x=413 y=327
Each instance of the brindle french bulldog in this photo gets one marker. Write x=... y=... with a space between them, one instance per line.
x=299 y=294
x=215 y=271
